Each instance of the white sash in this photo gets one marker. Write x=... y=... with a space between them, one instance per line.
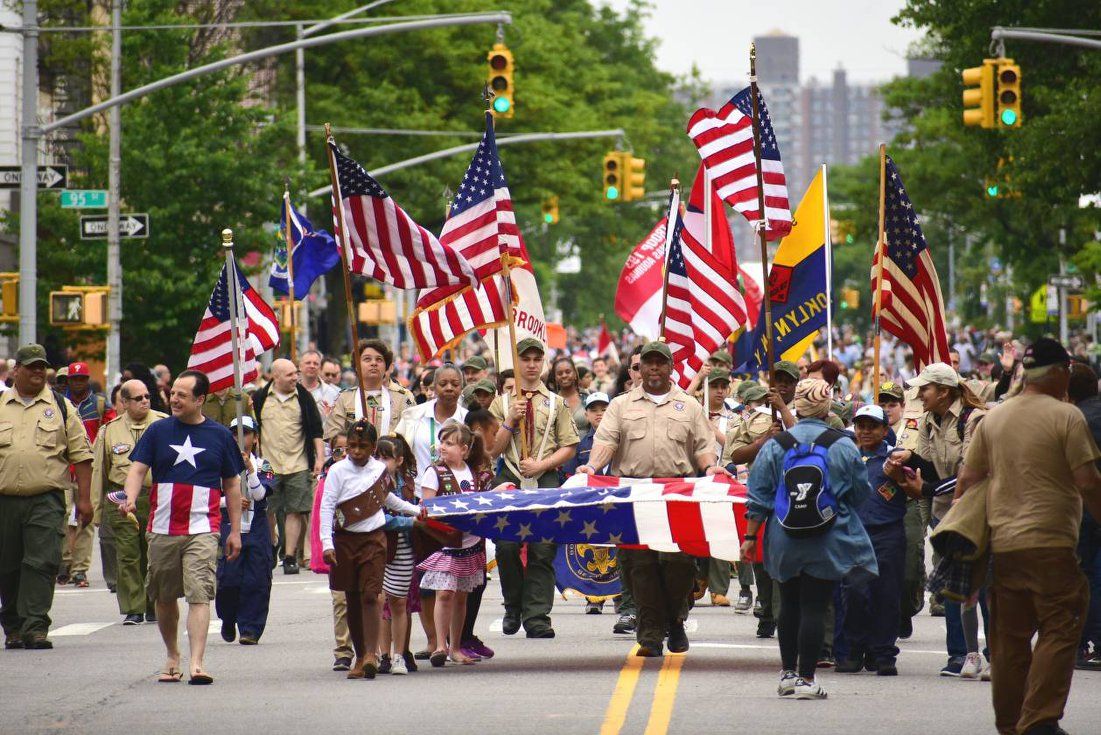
x=384 y=409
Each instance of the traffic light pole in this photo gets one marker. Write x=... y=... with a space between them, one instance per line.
x=114 y=194
x=998 y=34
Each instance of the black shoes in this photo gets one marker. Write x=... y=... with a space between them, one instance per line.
x=625 y=624
x=384 y=664
x=37 y=642
x=887 y=670
x=510 y=624
x=547 y=632
x=766 y=629
x=678 y=639
x=13 y=641
x=133 y=619
x=850 y=666
x=151 y=617
x=290 y=565
x=649 y=650
x=229 y=631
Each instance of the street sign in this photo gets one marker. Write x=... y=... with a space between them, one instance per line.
x=49 y=177
x=94 y=226
x=84 y=199
x=1071 y=282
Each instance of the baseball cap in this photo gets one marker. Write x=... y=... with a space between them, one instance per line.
x=63 y=372
x=718 y=376
x=721 y=356
x=659 y=347
x=247 y=422
x=744 y=386
x=754 y=392
x=892 y=389
x=787 y=366
x=597 y=397
x=32 y=354
x=530 y=343
x=939 y=373
x=78 y=368
x=475 y=363
x=484 y=384
x=871 y=411
x=1043 y=352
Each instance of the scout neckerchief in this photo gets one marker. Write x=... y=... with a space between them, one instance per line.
x=529 y=483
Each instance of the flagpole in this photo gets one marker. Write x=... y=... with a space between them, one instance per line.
x=338 y=213
x=707 y=243
x=234 y=289
x=880 y=247
x=290 y=267
x=829 y=264
x=670 y=226
x=762 y=223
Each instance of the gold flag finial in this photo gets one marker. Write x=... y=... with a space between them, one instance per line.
x=328 y=131
x=227 y=238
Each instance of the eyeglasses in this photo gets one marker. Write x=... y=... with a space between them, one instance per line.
x=338 y=451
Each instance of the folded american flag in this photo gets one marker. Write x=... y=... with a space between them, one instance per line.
x=702 y=516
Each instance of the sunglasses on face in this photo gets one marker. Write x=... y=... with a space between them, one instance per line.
x=143 y=397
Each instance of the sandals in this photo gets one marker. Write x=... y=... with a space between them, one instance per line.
x=201 y=678
x=438 y=659
x=463 y=660
x=170 y=677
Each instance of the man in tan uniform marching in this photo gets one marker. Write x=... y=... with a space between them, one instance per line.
x=110 y=466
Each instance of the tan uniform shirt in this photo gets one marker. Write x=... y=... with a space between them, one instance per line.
x=224 y=412
x=36 y=447
x=347 y=406
x=652 y=440
x=283 y=441
x=984 y=389
x=111 y=460
x=906 y=433
x=743 y=433
x=940 y=444
x=559 y=428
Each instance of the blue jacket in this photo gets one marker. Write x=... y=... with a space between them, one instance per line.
x=887 y=503
x=845 y=549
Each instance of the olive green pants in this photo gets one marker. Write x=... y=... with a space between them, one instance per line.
x=528 y=590
x=131 y=550
x=30 y=553
x=913 y=589
x=662 y=583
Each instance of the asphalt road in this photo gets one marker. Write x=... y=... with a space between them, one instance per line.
x=100 y=679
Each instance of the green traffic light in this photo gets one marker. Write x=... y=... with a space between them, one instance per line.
x=1009 y=118
x=501 y=104
x=548 y=218
x=992 y=191
x=849 y=239
x=612 y=193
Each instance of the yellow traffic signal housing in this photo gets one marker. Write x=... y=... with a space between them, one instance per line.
x=634 y=178
x=550 y=211
x=9 y=297
x=850 y=298
x=499 y=79
x=978 y=95
x=1008 y=82
x=615 y=167
x=285 y=309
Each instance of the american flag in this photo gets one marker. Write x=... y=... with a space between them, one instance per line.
x=703 y=305
x=481 y=227
x=257 y=329
x=913 y=308
x=384 y=242
x=702 y=516
x=725 y=142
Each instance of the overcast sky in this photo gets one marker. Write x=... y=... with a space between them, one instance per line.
x=715 y=35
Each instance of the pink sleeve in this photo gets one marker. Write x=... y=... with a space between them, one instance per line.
x=317 y=554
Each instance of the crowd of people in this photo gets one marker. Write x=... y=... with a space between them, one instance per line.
x=202 y=496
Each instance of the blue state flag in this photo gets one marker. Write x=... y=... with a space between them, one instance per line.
x=797 y=288
x=313 y=253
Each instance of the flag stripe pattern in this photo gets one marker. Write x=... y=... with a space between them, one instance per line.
x=913 y=308
x=702 y=516
x=725 y=142
x=384 y=242
x=258 y=331
x=191 y=509
x=437 y=329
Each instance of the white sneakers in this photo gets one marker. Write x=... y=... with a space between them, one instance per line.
x=398 y=667
x=787 y=683
x=809 y=690
x=972 y=666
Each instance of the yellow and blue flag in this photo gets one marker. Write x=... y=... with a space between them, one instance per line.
x=797 y=286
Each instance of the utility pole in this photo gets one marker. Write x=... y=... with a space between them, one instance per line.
x=114 y=193
x=28 y=185
x=1063 y=328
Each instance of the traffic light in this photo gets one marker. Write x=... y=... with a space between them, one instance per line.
x=993 y=191
x=79 y=307
x=850 y=299
x=614 y=170
x=550 y=211
x=634 y=178
x=9 y=297
x=66 y=308
x=1008 y=80
x=499 y=79
x=978 y=95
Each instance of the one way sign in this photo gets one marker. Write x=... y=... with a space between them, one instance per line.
x=94 y=227
x=49 y=177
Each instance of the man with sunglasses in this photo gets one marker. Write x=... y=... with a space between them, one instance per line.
x=110 y=465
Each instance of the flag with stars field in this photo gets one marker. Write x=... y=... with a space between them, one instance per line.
x=702 y=516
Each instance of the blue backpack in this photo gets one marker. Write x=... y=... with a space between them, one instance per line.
x=805 y=504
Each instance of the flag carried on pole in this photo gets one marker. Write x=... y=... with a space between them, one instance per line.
x=797 y=288
x=725 y=142
x=384 y=242
x=702 y=516
x=913 y=308
x=605 y=345
x=313 y=254
x=257 y=332
x=638 y=295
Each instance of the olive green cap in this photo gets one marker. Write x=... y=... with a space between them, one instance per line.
x=32 y=354
x=722 y=356
x=744 y=387
x=659 y=347
x=485 y=384
x=787 y=366
x=891 y=389
x=530 y=343
x=754 y=392
x=718 y=376
x=476 y=363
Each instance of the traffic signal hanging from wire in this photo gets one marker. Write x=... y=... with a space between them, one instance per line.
x=624 y=177
x=1008 y=79
x=613 y=175
x=499 y=79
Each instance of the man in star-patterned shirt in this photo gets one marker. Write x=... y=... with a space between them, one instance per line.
x=194 y=460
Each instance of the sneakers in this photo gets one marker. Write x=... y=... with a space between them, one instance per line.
x=719 y=600
x=744 y=603
x=384 y=664
x=13 y=641
x=787 y=683
x=397 y=667
x=594 y=608
x=410 y=660
x=1086 y=661
x=290 y=565
x=758 y=610
x=809 y=689
x=151 y=617
x=133 y=619
x=766 y=629
x=625 y=624
x=678 y=639
x=342 y=663
x=953 y=667
x=469 y=653
x=972 y=666
x=826 y=661
x=545 y=632
x=480 y=649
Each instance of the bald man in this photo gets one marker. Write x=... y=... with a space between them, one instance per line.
x=110 y=464
x=290 y=440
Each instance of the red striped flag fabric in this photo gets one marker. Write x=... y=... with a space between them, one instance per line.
x=725 y=142
x=384 y=242
x=258 y=332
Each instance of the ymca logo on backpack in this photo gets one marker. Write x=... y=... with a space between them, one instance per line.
x=805 y=503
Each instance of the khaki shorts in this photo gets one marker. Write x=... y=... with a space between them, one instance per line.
x=291 y=493
x=182 y=566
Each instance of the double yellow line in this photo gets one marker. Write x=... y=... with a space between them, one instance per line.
x=665 y=693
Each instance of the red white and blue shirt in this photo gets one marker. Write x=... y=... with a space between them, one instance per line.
x=189 y=463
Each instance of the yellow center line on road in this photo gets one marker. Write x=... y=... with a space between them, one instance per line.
x=616 y=714
x=665 y=694
x=661 y=711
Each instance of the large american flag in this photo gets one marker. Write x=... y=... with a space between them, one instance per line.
x=702 y=516
x=703 y=306
x=384 y=242
x=725 y=141
x=257 y=330
x=913 y=308
x=481 y=227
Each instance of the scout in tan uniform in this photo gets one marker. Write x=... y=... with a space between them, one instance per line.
x=40 y=436
x=551 y=437
x=656 y=430
x=221 y=406
x=386 y=400
x=109 y=469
